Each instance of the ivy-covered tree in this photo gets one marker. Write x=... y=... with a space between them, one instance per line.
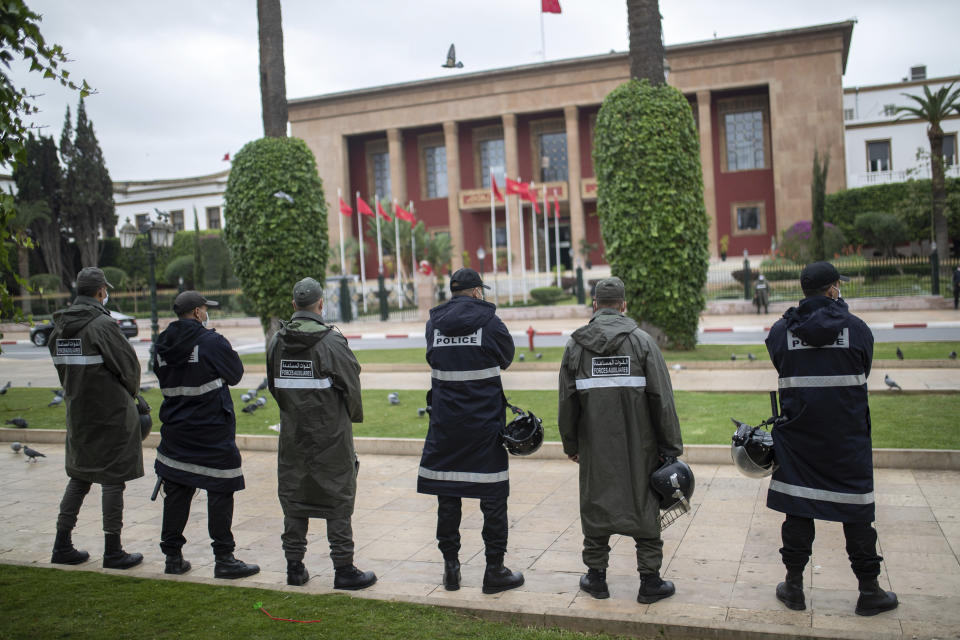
x=650 y=190
x=818 y=197
x=274 y=242
x=87 y=204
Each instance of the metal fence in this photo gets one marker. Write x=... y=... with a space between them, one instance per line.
x=869 y=278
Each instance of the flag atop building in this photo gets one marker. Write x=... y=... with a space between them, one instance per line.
x=550 y=6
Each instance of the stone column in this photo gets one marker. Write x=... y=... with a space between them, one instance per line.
x=705 y=120
x=512 y=158
x=452 y=143
x=578 y=227
x=398 y=173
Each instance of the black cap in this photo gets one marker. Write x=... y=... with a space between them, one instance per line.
x=190 y=300
x=466 y=279
x=817 y=275
x=91 y=278
x=610 y=290
x=307 y=292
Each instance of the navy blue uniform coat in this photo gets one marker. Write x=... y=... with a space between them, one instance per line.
x=467 y=346
x=823 y=354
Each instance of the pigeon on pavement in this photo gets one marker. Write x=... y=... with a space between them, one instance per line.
x=891 y=383
x=751 y=357
x=899 y=354
x=521 y=357
x=3 y=391
x=58 y=392
x=56 y=400
x=733 y=356
x=32 y=454
x=953 y=355
x=263 y=385
x=248 y=396
x=394 y=397
x=253 y=406
x=146 y=388
x=16 y=446
x=19 y=423
x=539 y=355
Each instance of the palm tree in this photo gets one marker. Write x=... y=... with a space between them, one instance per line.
x=646 y=40
x=27 y=213
x=934 y=107
x=273 y=88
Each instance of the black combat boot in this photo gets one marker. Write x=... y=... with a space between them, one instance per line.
x=499 y=578
x=64 y=552
x=653 y=588
x=231 y=568
x=873 y=599
x=594 y=582
x=790 y=591
x=297 y=574
x=114 y=557
x=350 y=578
x=176 y=565
x=451 y=573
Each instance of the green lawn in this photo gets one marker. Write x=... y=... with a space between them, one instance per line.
x=881 y=351
x=51 y=603
x=899 y=421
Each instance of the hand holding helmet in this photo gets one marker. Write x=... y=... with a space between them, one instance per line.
x=523 y=436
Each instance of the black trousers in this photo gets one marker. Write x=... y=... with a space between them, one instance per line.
x=111 y=505
x=494 y=527
x=339 y=534
x=176 y=512
x=798 y=533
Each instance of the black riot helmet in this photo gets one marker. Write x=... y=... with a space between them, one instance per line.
x=523 y=436
x=673 y=482
x=752 y=450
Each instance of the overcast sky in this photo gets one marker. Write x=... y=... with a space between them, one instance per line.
x=177 y=81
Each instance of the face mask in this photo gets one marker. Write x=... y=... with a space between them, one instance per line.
x=206 y=320
x=106 y=299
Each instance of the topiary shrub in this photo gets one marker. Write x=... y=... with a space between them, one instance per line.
x=883 y=230
x=180 y=267
x=798 y=242
x=547 y=295
x=117 y=277
x=45 y=283
x=274 y=242
x=650 y=204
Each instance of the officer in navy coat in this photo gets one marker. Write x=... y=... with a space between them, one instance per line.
x=195 y=367
x=823 y=450
x=463 y=456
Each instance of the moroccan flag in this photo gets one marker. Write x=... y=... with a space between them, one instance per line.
x=226 y=157
x=403 y=214
x=383 y=213
x=556 y=208
x=530 y=197
x=496 y=191
x=517 y=187
x=345 y=208
x=550 y=6
x=363 y=207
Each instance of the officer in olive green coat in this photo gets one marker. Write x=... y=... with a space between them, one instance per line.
x=315 y=379
x=100 y=375
x=617 y=420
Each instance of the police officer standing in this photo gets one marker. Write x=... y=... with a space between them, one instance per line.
x=467 y=346
x=315 y=378
x=761 y=294
x=195 y=367
x=617 y=420
x=100 y=375
x=823 y=354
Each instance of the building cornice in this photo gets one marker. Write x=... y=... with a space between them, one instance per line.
x=887 y=123
x=144 y=186
x=903 y=85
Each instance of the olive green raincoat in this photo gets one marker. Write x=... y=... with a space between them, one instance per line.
x=315 y=379
x=100 y=375
x=616 y=413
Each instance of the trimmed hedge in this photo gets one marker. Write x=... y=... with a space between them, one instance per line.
x=650 y=204
x=547 y=295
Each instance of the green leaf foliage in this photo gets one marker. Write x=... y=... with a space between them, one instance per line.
x=650 y=204
x=883 y=230
x=180 y=267
x=547 y=295
x=274 y=243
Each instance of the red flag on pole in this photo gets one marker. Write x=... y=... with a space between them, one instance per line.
x=517 y=187
x=345 y=208
x=531 y=197
x=383 y=213
x=550 y=6
x=363 y=207
x=496 y=191
x=226 y=157
x=403 y=214
x=556 y=208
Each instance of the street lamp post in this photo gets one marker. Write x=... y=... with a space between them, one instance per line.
x=159 y=234
x=481 y=254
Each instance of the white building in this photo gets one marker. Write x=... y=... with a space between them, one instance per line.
x=883 y=146
x=180 y=197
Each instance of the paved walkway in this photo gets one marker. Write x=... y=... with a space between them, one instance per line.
x=723 y=558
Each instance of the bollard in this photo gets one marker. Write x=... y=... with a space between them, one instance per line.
x=746 y=276
x=581 y=297
x=346 y=309
x=382 y=295
x=530 y=333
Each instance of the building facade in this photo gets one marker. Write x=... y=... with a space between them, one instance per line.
x=762 y=104
x=179 y=197
x=884 y=146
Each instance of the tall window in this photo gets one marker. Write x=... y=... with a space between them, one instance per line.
x=744 y=133
x=176 y=219
x=878 y=155
x=492 y=159
x=141 y=219
x=213 y=217
x=748 y=218
x=949 y=149
x=553 y=157
x=381 y=174
x=435 y=166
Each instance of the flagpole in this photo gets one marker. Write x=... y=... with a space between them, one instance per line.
x=493 y=239
x=506 y=224
x=546 y=232
x=363 y=267
x=413 y=249
x=396 y=229
x=523 y=253
x=556 y=234
x=376 y=214
x=533 y=235
x=343 y=263
x=543 y=40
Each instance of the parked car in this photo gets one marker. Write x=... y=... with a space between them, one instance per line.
x=40 y=333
